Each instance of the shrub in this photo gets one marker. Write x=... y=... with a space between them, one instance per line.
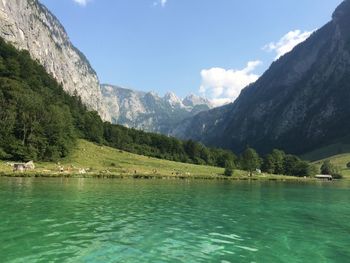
x=337 y=175
x=228 y=171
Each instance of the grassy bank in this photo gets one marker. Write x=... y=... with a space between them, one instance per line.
x=105 y=162
x=340 y=162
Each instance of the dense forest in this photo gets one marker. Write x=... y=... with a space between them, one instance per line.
x=39 y=121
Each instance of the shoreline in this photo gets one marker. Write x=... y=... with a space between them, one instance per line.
x=163 y=177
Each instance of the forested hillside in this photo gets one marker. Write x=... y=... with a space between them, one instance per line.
x=37 y=118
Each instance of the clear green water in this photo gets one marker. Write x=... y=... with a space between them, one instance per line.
x=85 y=220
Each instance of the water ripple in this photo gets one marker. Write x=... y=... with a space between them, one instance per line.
x=166 y=221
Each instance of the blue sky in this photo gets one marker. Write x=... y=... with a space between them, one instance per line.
x=187 y=46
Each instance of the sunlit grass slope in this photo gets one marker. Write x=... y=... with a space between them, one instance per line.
x=104 y=161
x=339 y=161
x=328 y=151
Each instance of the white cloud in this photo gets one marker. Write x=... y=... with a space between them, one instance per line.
x=162 y=3
x=287 y=42
x=223 y=86
x=81 y=2
x=220 y=102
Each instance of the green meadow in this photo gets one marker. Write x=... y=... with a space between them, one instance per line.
x=92 y=160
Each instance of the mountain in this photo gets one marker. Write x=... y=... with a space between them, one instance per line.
x=148 y=111
x=29 y=25
x=299 y=104
x=194 y=100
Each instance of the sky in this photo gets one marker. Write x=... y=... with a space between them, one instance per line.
x=212 y=48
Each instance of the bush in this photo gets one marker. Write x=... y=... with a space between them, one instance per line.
x=337 y=175
x=229 y=166
x=348 y=165
x=228 y=171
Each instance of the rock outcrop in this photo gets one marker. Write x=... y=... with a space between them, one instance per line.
x=148 y=111
x=27 y=24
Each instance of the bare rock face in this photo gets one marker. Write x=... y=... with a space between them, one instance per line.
x=149 y=112
x=29 y=25
x=299 y=104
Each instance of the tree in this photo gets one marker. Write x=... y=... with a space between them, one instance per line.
x=250 y=161
x=327 y=168
x=93 y=127
x=303 y=168
x=192 y=149
x=59 y=132
x=205 y=155
x=229 y=166
x=278 y=160
x=274 y=162
x=290 y=164
x=13 y=66
x=268 y=165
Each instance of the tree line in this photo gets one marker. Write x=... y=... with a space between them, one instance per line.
x=39 y=121
x=277 y=162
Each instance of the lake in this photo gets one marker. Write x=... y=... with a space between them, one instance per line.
x=91 y=220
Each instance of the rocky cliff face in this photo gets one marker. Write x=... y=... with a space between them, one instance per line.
x=29 y=25
x=148 y=111
x=299 y=104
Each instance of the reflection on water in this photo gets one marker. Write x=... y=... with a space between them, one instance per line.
x=87 y=220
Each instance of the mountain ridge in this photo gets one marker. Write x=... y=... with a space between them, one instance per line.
x=147 y=110
x=298 y=104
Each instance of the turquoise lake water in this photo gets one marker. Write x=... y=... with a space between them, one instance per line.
x=90 y=220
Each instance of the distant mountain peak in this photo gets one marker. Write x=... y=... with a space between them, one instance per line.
x=173 y=99
x=193 y=100
x=147 y=110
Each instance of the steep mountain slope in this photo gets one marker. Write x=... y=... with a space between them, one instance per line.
x=299 y=104
x=29 y=25
x=148 y=111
